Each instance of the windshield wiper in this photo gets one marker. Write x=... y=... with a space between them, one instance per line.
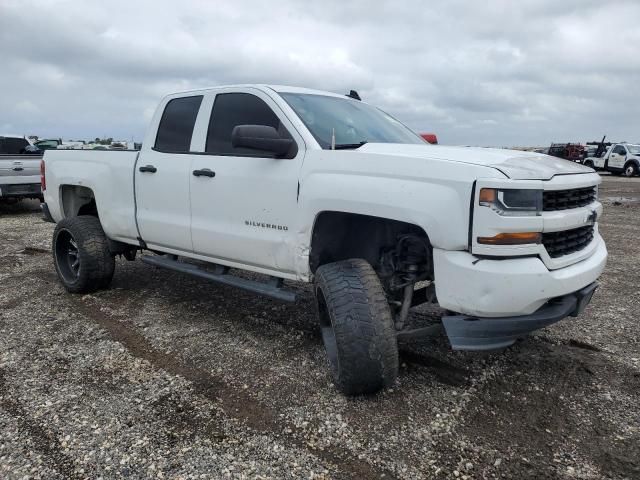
x=346 y=146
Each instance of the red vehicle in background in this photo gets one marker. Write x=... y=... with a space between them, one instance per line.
x=430 y=137
x=574 y=152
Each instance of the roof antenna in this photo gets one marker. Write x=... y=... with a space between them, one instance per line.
x=353 y=94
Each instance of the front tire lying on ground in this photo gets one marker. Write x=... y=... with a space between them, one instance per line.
x=81 y=254
x=357 y=327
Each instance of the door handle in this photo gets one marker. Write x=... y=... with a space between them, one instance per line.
x=205 y=172
x=148 y=168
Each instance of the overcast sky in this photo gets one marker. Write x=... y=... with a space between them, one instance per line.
x=474 y=72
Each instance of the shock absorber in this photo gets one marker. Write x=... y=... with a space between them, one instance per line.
x=412 y=264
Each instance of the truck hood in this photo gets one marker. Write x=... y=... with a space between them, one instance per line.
x=512 y=163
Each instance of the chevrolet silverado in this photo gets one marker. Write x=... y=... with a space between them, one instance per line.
x=310 y=186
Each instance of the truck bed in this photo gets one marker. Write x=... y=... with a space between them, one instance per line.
x=108 y=173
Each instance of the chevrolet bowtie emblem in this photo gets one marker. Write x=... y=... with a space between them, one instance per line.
x=593 y=217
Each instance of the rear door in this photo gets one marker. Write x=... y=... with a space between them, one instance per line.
x=246 y=213
x=162 y=176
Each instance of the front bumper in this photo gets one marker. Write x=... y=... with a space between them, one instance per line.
x=472 y=333
x=509 y=287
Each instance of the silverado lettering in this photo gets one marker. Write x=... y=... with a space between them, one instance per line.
x=266 y=225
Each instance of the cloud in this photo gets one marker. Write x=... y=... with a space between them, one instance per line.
x=480 y=73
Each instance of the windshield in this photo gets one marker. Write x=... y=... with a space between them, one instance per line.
x=634 y=149
x=352 y=122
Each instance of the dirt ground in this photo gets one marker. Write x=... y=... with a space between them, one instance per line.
x=167 y=376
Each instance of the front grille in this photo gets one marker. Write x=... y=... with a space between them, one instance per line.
x=566 y=199
x=569 y=241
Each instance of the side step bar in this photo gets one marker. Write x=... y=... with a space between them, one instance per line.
x=220 y=274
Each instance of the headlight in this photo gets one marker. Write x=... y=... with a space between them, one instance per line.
x=512 y=201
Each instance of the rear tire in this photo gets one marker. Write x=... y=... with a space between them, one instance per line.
x=357 y=327
x=81 y=255
x=630 y=169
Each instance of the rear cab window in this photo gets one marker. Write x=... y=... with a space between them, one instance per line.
x=176 y=125
x=12 y=145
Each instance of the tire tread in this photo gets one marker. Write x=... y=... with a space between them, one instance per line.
x=363 y=326
x=96 y=260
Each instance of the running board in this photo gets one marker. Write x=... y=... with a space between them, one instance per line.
x=272 y=289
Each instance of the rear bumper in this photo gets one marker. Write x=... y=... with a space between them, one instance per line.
x=20 y=190
x=472 y=333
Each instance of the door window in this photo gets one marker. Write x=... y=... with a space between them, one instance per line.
x=620 y=150
x=176 y=125
x=232 y=109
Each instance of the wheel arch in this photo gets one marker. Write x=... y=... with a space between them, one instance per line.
x=338 y=235
x=77 y=200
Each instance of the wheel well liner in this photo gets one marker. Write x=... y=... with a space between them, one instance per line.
x=340 y=236
x=78 y=200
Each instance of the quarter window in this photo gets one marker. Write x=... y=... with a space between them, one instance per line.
x=176 y=125
x=232 y=109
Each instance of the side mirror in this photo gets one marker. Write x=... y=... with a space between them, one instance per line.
x=260 y=137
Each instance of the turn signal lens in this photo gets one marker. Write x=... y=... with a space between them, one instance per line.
x=512 y=238
x=488 y=195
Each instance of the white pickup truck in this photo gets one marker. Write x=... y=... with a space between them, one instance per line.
x=19 y=169
x=310 y=186
x=620 y=158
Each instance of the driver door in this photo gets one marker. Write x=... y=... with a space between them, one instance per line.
x=618 y=157
x=244 y=206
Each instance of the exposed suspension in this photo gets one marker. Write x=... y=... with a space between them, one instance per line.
x=402 y=267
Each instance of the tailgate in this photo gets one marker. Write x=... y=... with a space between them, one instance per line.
x=19 y=165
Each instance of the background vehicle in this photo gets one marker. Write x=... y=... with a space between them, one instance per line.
x=620 y=158
x=71 y=145
x=574 y=152
x=19 y=169
x=430 y=137
x=311 y=186
x=17 y=145
x=48 y=144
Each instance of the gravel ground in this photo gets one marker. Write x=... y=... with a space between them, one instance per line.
x=166 y=376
